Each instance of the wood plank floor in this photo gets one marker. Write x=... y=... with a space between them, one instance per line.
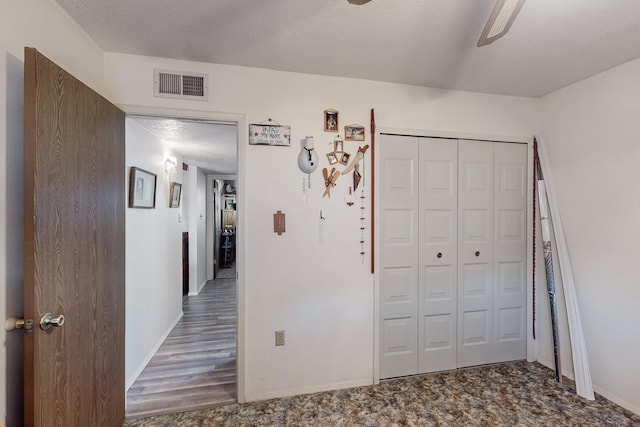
x=195 y=367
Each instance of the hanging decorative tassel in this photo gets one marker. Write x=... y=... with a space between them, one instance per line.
x=362 y=225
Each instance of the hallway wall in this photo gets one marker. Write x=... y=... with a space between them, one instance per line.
x=153 y=256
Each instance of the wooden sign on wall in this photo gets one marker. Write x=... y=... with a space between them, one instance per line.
x=269 y=135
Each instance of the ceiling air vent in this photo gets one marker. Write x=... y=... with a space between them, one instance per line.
x=175 y=84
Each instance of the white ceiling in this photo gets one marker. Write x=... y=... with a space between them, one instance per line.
x=210 y=146
x=552 y=43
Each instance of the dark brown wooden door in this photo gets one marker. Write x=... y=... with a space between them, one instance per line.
x=74 y=250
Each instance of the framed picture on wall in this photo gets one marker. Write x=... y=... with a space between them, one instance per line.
x=344 y=159
x=354 y=133
x=330 y=121
x=332 y=157
x=176 y=190
x=142 y=188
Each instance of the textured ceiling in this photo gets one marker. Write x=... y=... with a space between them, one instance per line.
x=553 y=43
x=211 y=145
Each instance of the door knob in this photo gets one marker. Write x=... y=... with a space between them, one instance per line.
x=477 y=253
x=439 y=255
x=48 y=321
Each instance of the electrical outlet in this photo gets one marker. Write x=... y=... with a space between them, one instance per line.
x=279 y=338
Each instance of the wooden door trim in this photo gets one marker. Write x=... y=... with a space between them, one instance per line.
x=241 y=122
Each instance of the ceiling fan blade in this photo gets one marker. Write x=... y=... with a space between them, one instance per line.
x=358 y=2
x=500 y=20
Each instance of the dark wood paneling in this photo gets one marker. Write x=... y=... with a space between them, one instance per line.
x=74 y=249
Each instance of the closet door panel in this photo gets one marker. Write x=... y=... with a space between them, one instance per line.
x=510 y=267
x=438 y=255
x=475 y=253
x=398 y=256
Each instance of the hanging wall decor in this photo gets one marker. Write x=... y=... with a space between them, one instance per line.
x=142 y=188
x=271 y=133
x=362 y=224
x=350 y=197
x=330 y=120
x=330 y=179
x=354 y=133
x=174 y=194
x=359 y=156
x=332 y=158
x=308 y=158
x=344 y=159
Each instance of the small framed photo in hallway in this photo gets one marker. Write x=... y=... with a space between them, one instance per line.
x=142 y=188
x=176 y=190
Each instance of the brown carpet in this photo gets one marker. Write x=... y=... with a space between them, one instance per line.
x=511 y=394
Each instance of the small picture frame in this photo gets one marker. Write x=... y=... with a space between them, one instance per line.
x=332 y=157
x=338 y=146
x=354 y=133
x=344 y=159
x=142 y=188
x=330 y=120
x=176 y=190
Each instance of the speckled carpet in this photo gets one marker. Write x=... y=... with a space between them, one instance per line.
x=511 y=394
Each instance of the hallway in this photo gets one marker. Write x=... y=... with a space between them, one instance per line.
x=195 y=367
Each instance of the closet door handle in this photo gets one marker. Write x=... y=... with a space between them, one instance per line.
x=439 y=255
x=477 y=253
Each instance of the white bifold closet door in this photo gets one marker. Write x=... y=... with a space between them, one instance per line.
x=399 y=256
x=452 y=254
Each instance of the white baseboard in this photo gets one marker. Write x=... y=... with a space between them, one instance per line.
x=151 y=353
x=605 y=393
x=617 y=400
x=201 y=286
x=193 y=294
x=294 y=391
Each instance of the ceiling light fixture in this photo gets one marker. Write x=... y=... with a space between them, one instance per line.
x=502 y=16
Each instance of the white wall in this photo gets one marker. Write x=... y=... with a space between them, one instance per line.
x=43 y=25
x=321 y=294
x=153 y=256
x=592 y=133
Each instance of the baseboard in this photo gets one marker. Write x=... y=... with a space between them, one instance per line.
x=151 y=353
x=294 y=391
x=617 y=400
x=605 y=393
x=201 y=286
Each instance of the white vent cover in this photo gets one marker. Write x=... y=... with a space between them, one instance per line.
x=176 y=84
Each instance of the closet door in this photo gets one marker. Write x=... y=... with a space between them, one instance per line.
x=437 y=317
x=510 y=251
x=475 y=253
x=398 y=256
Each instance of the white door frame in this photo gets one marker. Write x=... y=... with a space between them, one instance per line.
x=380 y=130
x=241 y=122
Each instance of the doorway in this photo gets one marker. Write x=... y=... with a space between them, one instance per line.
x=199 y=147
